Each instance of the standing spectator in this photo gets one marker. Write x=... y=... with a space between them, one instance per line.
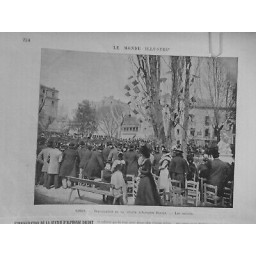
x=147 y=193
x=218 y=173
x=157 y=157
x=117 y=178
x=85 y=154
x=113 y=154
x=105 y=153
x=164 y=177
x=192 y=170
x=68 y=164
x=54 y=158
x=131 y=159
x=42 y=158
x=95 y=164
x=39 y=164
x=178 y=167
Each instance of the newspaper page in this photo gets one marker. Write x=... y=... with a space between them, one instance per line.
x=127 y=128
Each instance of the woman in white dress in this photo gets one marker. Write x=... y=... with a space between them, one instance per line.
x=164 y=183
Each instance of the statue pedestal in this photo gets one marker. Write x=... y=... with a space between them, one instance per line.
x=226 y=158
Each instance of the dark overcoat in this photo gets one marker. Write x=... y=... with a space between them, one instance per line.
x=218 y=174
x=157 y=157
x=69 y=159
x=95 y=165
x=131 y=159
x=178 y=168
x=84 y=155
x=105 y=153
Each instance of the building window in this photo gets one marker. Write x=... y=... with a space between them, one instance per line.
x=192 y=131
x=192 y=117
x=52 y=103
x=43 y=90
x=207 y=120
x=206 y=133
x=178 y=131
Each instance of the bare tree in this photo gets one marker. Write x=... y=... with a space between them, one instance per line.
x=221 y=93
x=147 y=81
x=106 y=121
x=41 y=105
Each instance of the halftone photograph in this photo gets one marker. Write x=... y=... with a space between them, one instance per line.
x=126 y=129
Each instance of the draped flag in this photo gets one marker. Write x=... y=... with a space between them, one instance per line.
x=136 y=89
x=135 y=112
x=127 y=88
x=135 y=82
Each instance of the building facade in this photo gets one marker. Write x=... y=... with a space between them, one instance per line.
x=48 y=105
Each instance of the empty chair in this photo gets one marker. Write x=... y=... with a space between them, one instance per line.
x=210 y=195
x=130 y=185
x=176 y=192
x=192 y=193
x=227 y=198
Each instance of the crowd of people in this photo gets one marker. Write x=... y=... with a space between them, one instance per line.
x=112 y=160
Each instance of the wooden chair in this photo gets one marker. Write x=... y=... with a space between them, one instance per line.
x=192 y=193
x=227 y=198
x=176 y=192
x=210 y=195
x=130 y=185
x=201 y=189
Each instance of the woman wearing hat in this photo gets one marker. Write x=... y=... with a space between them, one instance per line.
x=68 y=164
x=164 y=183
x=147 y=193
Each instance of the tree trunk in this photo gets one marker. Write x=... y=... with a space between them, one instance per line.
x=186 y=107
x=177 y=66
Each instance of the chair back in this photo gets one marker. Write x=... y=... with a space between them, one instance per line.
x=192 y=192
x=210 y=195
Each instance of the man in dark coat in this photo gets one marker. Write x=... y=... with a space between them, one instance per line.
x=69 y=161
x=85 y=154
x=105 y=153
x=131 y=159
x=95 y=165
x=218 y=173
x=113 y=154
x=178 y=167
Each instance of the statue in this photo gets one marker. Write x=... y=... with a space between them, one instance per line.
x=224 y=149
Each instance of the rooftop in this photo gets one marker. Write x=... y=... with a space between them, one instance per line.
x=48 y=88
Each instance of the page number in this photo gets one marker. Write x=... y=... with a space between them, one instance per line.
x=26 y=40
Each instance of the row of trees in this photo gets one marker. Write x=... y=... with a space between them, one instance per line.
x=207 y=75
x=185 y=79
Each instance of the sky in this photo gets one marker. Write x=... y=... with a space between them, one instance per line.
x=82 y=75
x=86 y=75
